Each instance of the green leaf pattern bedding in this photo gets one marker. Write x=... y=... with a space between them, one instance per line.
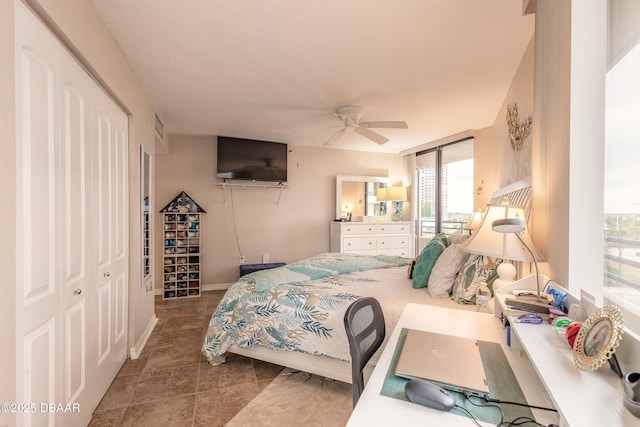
x=297 y=307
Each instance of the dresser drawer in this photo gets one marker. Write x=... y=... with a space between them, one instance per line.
x=391 y=238
x=353 y=229
x=359 y=243
x=393 y=228
x=391 y=242
x=364 y=252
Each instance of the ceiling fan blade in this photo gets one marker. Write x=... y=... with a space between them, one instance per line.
x=375 y=137
x=335 y=137
x=384 y=124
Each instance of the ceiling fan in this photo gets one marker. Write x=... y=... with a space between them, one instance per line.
x=350 y=116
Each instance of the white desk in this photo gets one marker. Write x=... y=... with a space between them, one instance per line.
x=582 y=398
x=373 y=409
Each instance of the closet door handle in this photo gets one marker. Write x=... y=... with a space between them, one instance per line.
x=77 y=291
x=107 y=274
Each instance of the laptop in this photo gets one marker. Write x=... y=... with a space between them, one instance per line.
x=454 y=363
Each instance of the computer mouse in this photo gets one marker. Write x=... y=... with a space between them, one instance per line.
x=429 y=394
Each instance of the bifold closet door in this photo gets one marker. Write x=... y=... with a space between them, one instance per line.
x=72 y=231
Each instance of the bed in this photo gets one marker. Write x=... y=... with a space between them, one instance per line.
x=293 y=315
x=295 y=319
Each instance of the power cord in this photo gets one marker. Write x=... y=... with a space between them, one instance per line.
x=505 y=402
x=468 y=396
x=466 y=411
x=235 y=226
x=524 y=420
x=516 y=422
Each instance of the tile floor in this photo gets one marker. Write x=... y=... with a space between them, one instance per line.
x=171 y=384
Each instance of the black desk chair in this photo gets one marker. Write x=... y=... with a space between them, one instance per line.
x=364 y=324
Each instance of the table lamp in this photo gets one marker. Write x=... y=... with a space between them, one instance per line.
x=515 y=227
x=504 y=245
x=474 y=222
x=397 y=195
x=381 y=196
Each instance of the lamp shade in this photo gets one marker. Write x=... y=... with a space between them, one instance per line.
x=494 y=244
x=397 y=194
x=381 y=194
x=474 y=222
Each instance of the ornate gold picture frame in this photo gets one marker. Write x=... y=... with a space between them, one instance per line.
x=598 y=338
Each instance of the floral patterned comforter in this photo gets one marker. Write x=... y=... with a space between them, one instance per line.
x=297 y=307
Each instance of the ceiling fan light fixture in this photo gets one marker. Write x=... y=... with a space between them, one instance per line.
x=350 y=116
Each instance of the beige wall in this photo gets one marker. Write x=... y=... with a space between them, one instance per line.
x=513 y=165
x=7 y=212
x=295 y=228
x=496 y=164
x=570 y=67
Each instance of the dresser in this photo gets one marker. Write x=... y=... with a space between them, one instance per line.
x=372 y=238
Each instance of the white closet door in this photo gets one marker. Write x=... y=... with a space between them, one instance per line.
x=110 y=210
x=72 y=247
x=38 y=198
x=72 y=231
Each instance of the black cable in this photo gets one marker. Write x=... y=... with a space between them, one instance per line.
x=466 y=411
x=521 y=404
x=524 y=420
x=516 y=422
x=469 y=395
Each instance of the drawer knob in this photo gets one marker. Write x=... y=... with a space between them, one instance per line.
x=77 y=291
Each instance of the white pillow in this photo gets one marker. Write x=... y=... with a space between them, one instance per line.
x=445 y=270
x=457 y=237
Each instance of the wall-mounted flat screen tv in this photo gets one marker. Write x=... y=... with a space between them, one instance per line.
x=251 y=159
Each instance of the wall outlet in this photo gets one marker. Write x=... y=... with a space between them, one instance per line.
x=265 y=258
x=241 y=260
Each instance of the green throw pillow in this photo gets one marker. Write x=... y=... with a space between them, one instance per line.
x=427 y=260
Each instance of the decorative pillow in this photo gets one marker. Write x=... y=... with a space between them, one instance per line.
x=470 y=276
x=445 y=270
x=457 y=237
x=427 y=259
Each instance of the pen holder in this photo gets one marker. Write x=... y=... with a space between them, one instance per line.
x=631 y=392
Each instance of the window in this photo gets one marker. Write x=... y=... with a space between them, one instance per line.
x=444 y=176
x=621 y=193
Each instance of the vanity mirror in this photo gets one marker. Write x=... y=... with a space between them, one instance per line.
x=357 y=195
x=146 y=219
x=598 y=338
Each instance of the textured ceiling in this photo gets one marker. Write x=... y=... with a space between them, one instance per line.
x=278 y=69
